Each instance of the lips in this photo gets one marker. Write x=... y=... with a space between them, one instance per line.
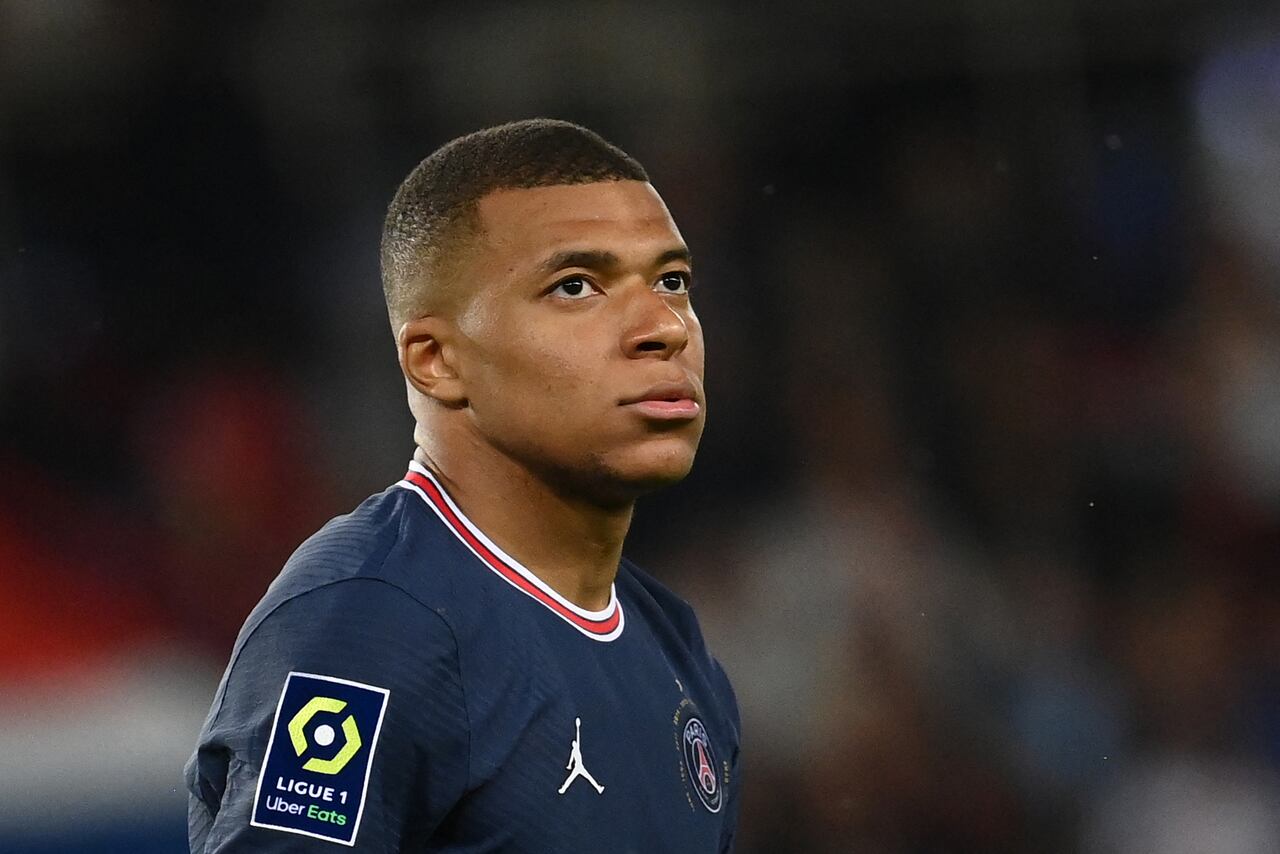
x=672 y=400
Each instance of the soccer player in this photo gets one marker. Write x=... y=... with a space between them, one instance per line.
x=420 y=670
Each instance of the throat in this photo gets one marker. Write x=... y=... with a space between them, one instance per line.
x=572 y=546
x=590 y=588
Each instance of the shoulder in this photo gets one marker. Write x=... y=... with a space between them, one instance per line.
x=390 y=538
x=649 y=591
x=361 y=544
x=354 y=624
x=360 y=629
x=664 y=605
x=359 y=600
x=667 y=607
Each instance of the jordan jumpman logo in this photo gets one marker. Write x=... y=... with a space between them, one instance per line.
x=575 y=767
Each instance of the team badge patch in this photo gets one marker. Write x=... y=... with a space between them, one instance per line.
x=321 y=747
x=701 y=770
x=700 y=762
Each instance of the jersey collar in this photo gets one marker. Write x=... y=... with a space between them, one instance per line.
x=604 y=625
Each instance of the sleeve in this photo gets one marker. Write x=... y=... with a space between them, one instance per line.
x=731 y=810
x=341 y=718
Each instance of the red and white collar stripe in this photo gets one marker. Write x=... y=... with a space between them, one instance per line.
x=598 y=625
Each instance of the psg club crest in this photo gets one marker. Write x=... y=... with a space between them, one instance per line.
x=700 y=764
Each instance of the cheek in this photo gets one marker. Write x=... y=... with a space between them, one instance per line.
x=538 y=373
x=552 y=365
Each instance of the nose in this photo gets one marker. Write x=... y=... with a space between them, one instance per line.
x=653 y=328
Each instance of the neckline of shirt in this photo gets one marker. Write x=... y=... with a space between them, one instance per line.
x=603 y=625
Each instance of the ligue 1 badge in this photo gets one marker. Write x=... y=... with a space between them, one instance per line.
x=702 y=772
x=316 y=771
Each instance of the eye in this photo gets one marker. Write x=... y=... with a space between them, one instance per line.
x=574 y=288
x=673 y=283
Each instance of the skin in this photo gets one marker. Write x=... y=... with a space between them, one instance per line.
x=573 y=306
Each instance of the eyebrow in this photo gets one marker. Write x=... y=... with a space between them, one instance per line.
x=599 y=259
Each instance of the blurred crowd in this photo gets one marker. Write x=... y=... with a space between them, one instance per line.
x=986 y=521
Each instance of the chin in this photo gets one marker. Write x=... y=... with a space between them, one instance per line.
x=624 y=476
x=657 y=464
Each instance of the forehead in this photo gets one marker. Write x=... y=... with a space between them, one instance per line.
x=525 y=225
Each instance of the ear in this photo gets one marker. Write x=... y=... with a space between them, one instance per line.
x=428 y=359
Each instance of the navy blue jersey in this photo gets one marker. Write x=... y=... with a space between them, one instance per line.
x=405 y=685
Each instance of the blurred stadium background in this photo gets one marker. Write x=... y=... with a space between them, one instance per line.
x=987 y=519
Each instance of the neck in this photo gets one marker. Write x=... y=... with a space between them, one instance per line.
x=570 y=543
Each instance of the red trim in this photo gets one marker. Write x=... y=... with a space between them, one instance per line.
x=596 y=627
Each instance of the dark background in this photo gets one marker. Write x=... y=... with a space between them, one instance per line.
x=986 y=522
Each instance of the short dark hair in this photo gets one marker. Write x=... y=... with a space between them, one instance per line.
x=442 y=192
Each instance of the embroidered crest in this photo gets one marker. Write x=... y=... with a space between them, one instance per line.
x=700 y=762
x=701 y=771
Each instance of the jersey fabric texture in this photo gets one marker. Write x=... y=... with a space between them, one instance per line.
x=409 y=687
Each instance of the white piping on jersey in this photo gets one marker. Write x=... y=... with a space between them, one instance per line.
x=512 y=563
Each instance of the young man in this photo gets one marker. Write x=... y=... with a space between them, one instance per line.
x=466 y=662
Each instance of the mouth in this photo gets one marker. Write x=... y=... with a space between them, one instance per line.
x=666 y=402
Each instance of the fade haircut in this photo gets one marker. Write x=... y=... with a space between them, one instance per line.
x=436 y=205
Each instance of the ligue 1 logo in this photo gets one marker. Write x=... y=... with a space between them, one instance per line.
x=700 y=762
x=324 y=735
x=315 y=775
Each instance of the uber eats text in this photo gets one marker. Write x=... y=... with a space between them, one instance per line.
x=311 y=791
